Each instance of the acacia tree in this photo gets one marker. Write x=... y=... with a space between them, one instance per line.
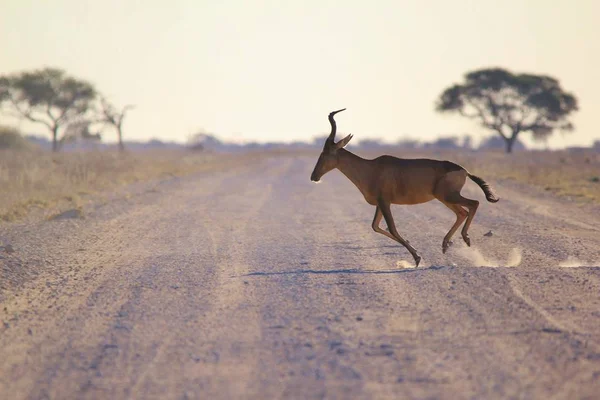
x=48 y=97
x=509 y=104
x=80 y=130
x=110 y=115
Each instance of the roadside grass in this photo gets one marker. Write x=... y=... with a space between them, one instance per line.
x=31 y=179
x=563 y=173
x=37 y=179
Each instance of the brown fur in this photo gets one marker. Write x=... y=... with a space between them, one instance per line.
x=388 y=180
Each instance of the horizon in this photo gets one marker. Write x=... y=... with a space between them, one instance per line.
x=459 y=143
x=264 y=72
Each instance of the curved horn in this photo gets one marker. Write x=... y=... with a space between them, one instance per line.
x=331 y=138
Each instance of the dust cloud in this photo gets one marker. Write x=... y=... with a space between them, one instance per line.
x=477 y=259
x=572 y=262
x=514 y=258
x=404 y=264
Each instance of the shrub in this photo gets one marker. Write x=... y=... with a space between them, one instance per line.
x=11 y=138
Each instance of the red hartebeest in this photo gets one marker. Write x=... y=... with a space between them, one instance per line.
x=388 y=180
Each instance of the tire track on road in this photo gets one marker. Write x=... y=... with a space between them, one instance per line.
x=230 y=329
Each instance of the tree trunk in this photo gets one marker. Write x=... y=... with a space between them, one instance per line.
x=120 y=133
x=55 y=138
x=511 y=141
x=509 y=146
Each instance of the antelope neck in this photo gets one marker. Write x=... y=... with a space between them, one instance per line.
x=357 y=169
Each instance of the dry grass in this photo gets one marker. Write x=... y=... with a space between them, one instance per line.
x=35 y=179
x=575 y=175
x=564 y=173
x=30 y=179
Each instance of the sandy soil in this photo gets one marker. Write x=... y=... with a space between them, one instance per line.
x=255 y=283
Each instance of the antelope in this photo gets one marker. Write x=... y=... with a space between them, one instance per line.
x=388 y=180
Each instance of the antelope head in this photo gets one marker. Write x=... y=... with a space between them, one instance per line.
x=328 y=159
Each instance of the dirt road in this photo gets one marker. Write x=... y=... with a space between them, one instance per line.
x=255 y=283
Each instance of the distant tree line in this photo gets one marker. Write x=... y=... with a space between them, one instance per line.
x=207 y=141
x=66 y=106
x=501 y=101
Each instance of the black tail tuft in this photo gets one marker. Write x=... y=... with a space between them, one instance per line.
x=487 y=189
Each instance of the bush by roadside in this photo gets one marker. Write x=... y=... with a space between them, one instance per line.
x=11 y=138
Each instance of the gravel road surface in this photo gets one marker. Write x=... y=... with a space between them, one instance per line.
x=254 y=283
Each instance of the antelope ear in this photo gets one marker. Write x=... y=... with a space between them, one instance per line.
x=342 y=143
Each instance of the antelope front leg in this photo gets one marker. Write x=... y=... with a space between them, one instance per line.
x=384 y=209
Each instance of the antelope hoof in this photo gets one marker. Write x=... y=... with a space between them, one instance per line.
x=417 y=260
x=467 y=240
x=445 y=245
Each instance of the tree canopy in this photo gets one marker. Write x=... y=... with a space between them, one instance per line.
x=47 y=96
x=509 y=103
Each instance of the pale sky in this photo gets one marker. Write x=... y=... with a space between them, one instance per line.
x=273 y=70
